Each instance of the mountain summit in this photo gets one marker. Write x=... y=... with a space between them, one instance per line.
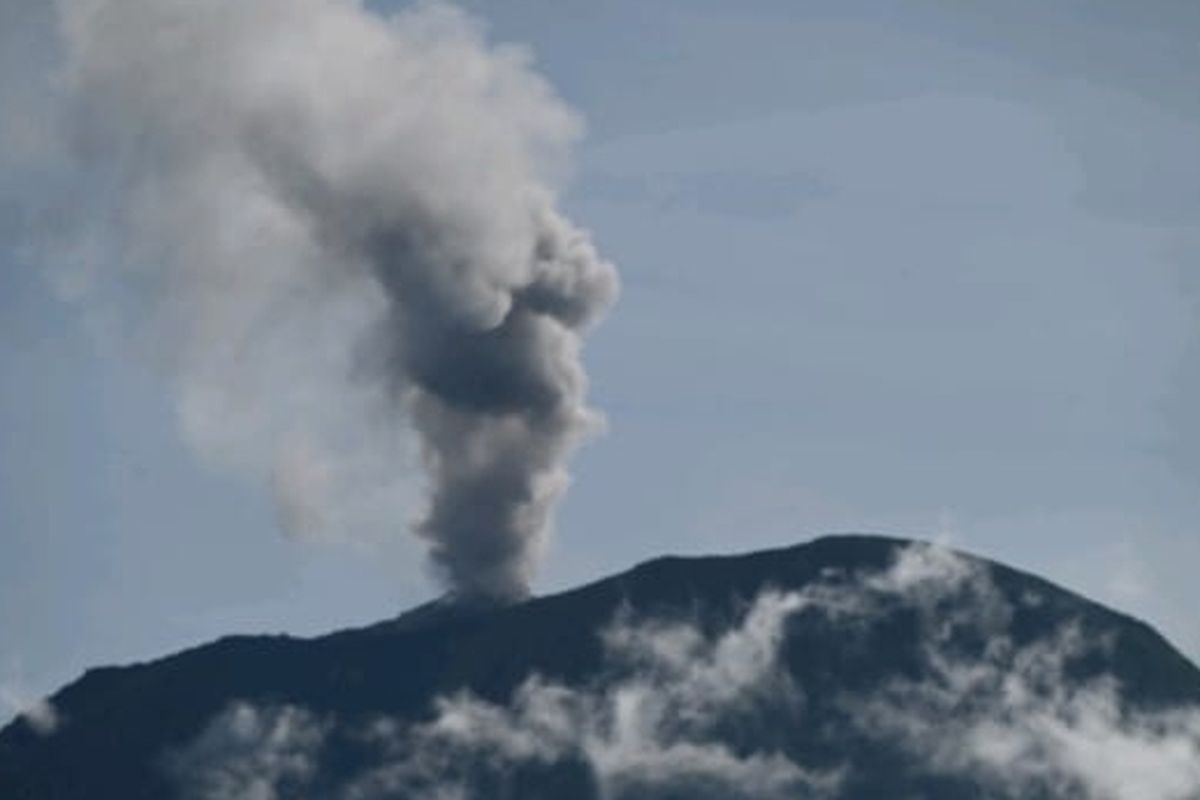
x=847 y=667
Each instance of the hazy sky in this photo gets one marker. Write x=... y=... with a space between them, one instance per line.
x=926 y=269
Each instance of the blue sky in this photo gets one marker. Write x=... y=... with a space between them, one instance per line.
x=926 y=270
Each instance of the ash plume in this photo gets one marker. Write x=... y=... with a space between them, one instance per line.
x=338 y=232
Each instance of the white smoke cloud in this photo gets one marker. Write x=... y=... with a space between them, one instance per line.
x=301 y=480
x=337 y=232
x=1010 y=718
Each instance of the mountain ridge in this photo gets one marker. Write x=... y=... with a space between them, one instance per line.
x=400 y=666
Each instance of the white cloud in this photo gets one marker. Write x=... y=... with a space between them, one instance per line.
x=655 y=725
x=1018 y=722
x=249 y=753
x=1011 y=717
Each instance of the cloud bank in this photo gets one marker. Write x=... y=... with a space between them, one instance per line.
x=685 y=713
x=338 y=233
x=654 y=726
x=1017 y=720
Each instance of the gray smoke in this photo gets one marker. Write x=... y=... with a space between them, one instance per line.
x=338 y=230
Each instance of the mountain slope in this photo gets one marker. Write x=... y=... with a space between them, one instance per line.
x=831 y=668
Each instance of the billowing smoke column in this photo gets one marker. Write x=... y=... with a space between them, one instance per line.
x=334 y=229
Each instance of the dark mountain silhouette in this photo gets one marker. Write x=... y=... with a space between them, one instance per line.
x=121 y=725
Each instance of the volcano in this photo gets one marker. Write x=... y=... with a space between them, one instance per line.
x=846 y=667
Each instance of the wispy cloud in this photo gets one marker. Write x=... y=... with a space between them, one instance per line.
x=681 y=710
x=1015 y=719
x=250 y=754
x=654 y=725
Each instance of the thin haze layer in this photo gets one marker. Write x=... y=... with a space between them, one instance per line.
x=335 y=229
